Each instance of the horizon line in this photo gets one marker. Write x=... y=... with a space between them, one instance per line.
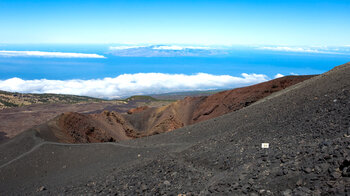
x=180 y=44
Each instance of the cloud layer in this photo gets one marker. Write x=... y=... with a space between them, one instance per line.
x=131 y=84
x=124 y=47
x=159 y=47
x=320 y=50
x=292 y=49
x=48 y=54
x=174 y=47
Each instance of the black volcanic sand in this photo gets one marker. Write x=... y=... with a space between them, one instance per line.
x=307 y=126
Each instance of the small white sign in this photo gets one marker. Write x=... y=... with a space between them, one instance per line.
x=265 y=145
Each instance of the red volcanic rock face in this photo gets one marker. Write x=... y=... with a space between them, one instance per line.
x=144 y=121
x=137 y=110
x=232 y=100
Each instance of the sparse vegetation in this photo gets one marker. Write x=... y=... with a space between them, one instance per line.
x=8 y=99
x=7 y=104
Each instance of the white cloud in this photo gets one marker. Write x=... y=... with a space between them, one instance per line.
x=279 y=75
x=131 y=84
x=48 y=54
x=168 y=48
x=180 y=47
x=299 y=49
x=164 y=47
x=124 y=47
x=290 y=49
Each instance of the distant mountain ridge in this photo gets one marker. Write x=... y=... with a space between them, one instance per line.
x=163 y=51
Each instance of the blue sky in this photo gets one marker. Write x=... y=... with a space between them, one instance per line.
x=250 y=22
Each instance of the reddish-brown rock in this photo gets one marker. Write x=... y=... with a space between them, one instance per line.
x=138 y=109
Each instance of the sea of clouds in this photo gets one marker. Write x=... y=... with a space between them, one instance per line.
x=343 y=50
x=9 y=53
x=131 y=84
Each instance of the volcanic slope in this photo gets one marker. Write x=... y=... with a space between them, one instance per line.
x=306 y=125
x=146 y=121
